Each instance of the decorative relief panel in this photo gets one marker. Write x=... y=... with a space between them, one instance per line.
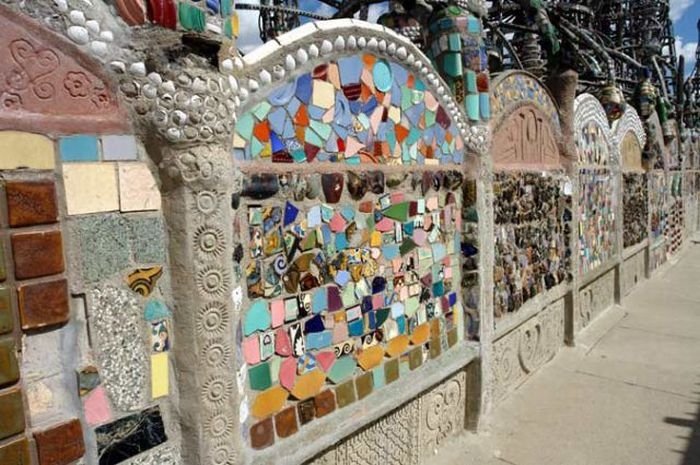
x=595 y=298
x=41 y=79
x=526 y=349
x=517 y=87
x=525 y=140
x=633 y=272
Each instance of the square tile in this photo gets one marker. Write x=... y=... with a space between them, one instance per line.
x=15 y=453
x=307 y=411
x=31 y=202
x=11 y=414
x=286 y=422
x=37 y=254
x=345 y=393
x=43 y=304
x=262 y=434
x=119 y=148
x=91 y=187
x=7 y=321
x=138 y=190
x=79 y=148
x=324 y=403
x=364 y=386
x=25 y=150
x=61 y=444
x=9 y=369
x=391 y=370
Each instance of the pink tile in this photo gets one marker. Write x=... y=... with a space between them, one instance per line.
x=96 y=406
x=325 y=360
x=277 y=309
x=251 y=350
x=338 y=223
x=283 y=346
x=288 y=373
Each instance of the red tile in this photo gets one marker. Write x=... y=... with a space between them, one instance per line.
x=43 y=304
x=60 y=445
x=37 y=254
x=31 y=202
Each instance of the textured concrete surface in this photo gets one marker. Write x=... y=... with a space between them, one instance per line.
x=627 y=394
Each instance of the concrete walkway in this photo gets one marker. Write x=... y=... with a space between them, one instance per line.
x=627 y=394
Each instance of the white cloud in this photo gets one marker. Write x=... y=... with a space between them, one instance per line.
x=678 y=7
x=687 y=49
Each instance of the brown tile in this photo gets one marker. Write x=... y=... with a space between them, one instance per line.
x=364 y=385
x=7 y=322
x=15 y=453
x=3 y=263
x=262 y=434
x=391 y=370
x=324 y=403
x=435 y=347
x=31 y=202
x=11 y=414
x=307 y=411
x=9 y=370
x=43 y=304
x=415 y=358
x=345 y=393
x=37 y=254
x=434 y=328
x=286 y=422
x=61 y=444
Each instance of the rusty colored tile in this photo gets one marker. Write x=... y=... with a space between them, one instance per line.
x=306 y=411
x=345 y=393
x=11 y=414
x=324 y=403
x=15 y=453
x=262 y=434
x=3 y=263
x=364 y=385
x=31 y=202
x=9 y=369
x=286 y=422
x=61 y=444
x=415 y=358
x=43 y=304
x=7 y=322
x=452 y=337
x=391 y=370
x=37 y=254
x=435 y=347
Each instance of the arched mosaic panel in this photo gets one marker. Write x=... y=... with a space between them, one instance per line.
x=631 y=138
x=353 y=265
x=532 y=194
x=597 y=184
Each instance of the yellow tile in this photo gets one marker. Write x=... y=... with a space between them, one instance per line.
x=138 y=190
x=90 y=187
x=160 y=383
x=23 y=149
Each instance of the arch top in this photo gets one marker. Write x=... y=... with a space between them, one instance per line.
x=630 y=122
x=514 y=89
x=594 y=138
x=366 y=90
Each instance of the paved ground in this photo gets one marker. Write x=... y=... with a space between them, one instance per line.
x=628 y=394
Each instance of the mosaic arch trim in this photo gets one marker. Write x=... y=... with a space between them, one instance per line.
x=316 y=44
x=630 y=122
x=515 y=88
x=594 y=138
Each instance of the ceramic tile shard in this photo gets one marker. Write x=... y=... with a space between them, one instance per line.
x=115 y=319
x=130 y=436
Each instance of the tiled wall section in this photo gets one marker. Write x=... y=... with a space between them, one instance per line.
x=597 y=222
x=635 y=212
x=110 y=290
x=675 y=227
x=532 y=213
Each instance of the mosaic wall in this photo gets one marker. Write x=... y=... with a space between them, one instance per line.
x=523 y=87
x=359 y=110
x=532 y=215
x=353 y=278
x=658 y=214
x=675 y=225
x=635 y=215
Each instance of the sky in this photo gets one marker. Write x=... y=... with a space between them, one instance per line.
x=684 y=13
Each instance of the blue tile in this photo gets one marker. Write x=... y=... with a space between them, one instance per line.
x=79 y=148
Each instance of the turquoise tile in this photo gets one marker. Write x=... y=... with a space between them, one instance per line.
x=79 y=148
x=472 y=104
x=471 y=82
x=485 y=105
x=378 y=376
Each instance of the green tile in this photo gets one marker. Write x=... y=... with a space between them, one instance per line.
x=6 y=318
x=11 y=414
x=9 y=369
x=259 y=376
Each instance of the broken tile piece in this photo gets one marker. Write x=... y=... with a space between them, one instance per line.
x=262 y=434
x=61 y=444
x=9 y=369
x=370 y=357
x=43 y=304
x=286 y=422
x=324 y=403
x=257 y=318
x=15 y=452
x=96 y=407
x=26 y=150
x=269 y=402
x=308 y=385
x=129 y=436
x=160 y=382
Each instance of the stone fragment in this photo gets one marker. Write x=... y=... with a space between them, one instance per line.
x=37 y=254
x=61 y=444
x=130 y=436
x=43 y=304
x=31 y=202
